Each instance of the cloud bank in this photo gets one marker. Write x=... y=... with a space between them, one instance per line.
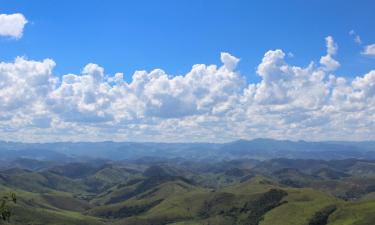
x=209 y=103
x=12 y=25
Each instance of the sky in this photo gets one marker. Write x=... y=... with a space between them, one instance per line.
x=182 y=71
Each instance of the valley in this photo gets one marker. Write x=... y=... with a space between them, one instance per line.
x=175 y=191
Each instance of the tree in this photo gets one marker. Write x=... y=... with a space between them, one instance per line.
x=5 y=212
x=321 y=217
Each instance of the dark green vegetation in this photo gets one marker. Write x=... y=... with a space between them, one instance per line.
x=5 y=212
x=239 y=183
x=178 y=192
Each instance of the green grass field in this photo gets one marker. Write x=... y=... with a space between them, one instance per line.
x=166 y=195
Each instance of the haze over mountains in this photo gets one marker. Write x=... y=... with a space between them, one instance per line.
x=260 y=149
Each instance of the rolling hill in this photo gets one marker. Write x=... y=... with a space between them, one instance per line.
x=164 y=191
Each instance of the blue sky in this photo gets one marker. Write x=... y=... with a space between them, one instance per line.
x=182 y=71
x=124 y=36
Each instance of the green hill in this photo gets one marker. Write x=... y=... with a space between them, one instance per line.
x=290 y=192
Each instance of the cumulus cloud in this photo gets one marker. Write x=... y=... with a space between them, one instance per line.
x=12 y=25
x=229 y=61
x=331 y=46
x=369 y=50
x=283 y=84
x=208 y=103
x=327 y=61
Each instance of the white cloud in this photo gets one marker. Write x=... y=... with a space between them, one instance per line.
x=82 y=98
x=208 y=103
x=12 y=25
x=24 y=85
x=369 y=50
x=331 y=46
x=283 y=84
x=356 y=37
x=327 y=61
x=229 y=61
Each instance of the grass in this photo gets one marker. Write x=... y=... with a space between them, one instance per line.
x=301 y=205
x=38 y=216
x=134 y=199
x=354 y=213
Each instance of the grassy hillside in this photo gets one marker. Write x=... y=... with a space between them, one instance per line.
x=179 y=193
x=300 y=207
x=354 y=213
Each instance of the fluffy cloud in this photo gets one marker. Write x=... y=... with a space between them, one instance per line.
x=369 y=50
x=327 y=61
x=205 y=89
x=82 y=98
x=24 y=82
x=283 y=84
x=12 y=25
x=209 y=103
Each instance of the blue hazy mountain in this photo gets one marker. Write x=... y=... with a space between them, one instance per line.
x=260 y=149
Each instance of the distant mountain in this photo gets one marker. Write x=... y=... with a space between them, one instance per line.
x=31 y=164
x=260 y=149
x=32 y=153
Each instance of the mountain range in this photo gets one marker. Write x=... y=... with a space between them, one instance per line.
x=260 y=149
